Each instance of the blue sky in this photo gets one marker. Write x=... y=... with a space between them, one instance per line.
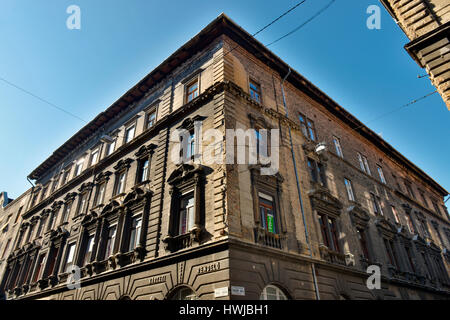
x=84 y=71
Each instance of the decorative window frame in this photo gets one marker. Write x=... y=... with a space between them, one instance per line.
x=188 y=81
x=270 y=185
x=102 y=177
x=185 y=177
x=144 y=153
x=189 y=125
x=84 y=190
x=152 y=108
x=122 y=166
x=325 y=204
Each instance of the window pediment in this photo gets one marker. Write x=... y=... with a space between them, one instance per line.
x=135 y=196
x=89 y=218
x=359 y=216
x=146 y=150
x=323 y=201
x=386 y=228
x=123 y=164
x=184 y=172
x=102 y=177
x=110 y=208
x=56 y=205
x=70 y=196
x=86 y=187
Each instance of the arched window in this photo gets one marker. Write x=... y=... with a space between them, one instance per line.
x=183 y=293
x=271 y=292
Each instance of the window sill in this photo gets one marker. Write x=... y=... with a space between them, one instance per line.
x=118 y=195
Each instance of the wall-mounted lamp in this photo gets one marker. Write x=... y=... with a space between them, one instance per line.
x=320 y=148
x=106 y=139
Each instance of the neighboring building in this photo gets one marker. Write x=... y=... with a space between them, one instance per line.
x=427 y=25
x=10 y=221
x=112 y=201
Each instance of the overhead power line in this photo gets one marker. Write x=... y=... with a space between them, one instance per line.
x=41 y=99
x=269 y=24
x=303 y=24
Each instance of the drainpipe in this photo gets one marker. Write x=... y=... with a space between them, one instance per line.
x=316 y=288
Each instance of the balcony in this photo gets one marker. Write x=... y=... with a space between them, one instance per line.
x=332 y=256
x=182 y=241
x=266 y=238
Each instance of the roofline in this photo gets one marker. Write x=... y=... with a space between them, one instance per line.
x=223 y=25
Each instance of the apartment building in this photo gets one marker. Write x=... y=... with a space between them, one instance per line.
x=114 y=215
x=427 y=24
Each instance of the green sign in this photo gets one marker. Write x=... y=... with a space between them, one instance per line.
x=270 y=224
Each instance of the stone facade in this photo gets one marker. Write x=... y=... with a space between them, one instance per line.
x=133 y=224
x=427 y=25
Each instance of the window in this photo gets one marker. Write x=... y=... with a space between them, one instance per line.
x=376 y=204
x=66 y=175
x=363 y=242
x=120 y=182
x=409 y=189
x=363 y=163
x=184 y=293
x=410 y=258
x=190 y=146
x=271 y=292
x=55 y=184
x=88 y=249
x=267 y=212
x=66 y=212
x=111 y=147
x=95 y=156
x=186 y=214
x=39 y=268
x=100 y=194
x=44 y=191
x=82 y=204
x=317 y=172
x=42 y=222
x=34 y=198
x=18 y=214
x=52 y=261
x=135 y=232
x=307 y=126
x=389 y=245
x=410 y=224
x=52 y=220
x=79 y=167
x=6 y=248
x=424 y=226
x=436 y=229
x=109 y=248
x=337 y=145
x=329 y=232
x=381 y=174
x=30 y=233
x=436 y=207
x=192 y=90
x=129 y=133
x=395 y=214
x=349 y=188
x=399 y=188
x=143 y=171
x=151 y=119
x=69 y=257
x=255 y=91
